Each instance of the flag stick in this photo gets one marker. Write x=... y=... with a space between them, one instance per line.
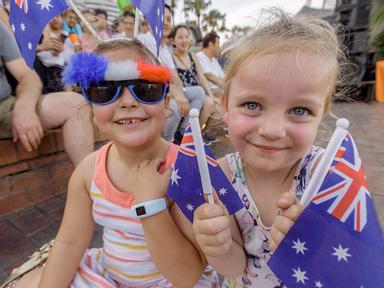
x=200 y=154
x=84 y=20
x=326 y=161
x=137 y=21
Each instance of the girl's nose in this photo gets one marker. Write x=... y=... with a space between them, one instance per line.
x=273 y=127
x=126 y=99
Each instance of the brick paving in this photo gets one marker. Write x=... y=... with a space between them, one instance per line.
x=22 y=232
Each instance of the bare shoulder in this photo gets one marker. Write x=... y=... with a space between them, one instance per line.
x=83 y=173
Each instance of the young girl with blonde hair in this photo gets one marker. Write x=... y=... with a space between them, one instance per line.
x=143 y=245
x=278 y=87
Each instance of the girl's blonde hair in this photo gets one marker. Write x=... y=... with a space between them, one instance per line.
x=285 y=33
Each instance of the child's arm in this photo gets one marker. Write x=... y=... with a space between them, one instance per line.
x=75 y=232
x=174 y=255
x=290 y=211
x=219 y=238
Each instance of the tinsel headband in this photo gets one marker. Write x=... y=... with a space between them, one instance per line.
x=85 y=68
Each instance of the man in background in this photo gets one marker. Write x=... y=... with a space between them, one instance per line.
x=209 y=64
x=25 y=115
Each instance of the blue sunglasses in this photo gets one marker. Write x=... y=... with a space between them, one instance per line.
x=106 y=92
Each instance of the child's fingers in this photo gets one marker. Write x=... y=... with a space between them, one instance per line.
x=283 y=224
x=293 y=212
x=212 y=226
x=275 y=238
x=286 y=200
x=207 y=211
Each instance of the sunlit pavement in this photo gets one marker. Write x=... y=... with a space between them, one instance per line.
x=21 y=233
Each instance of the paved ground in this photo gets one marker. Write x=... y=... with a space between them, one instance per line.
x=24 y=231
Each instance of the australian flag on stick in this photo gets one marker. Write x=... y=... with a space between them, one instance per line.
x=153 y=11
x=185 y=185
x=337 y=240
x=28 y=20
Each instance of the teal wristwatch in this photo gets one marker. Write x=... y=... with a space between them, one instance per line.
x=149 y=208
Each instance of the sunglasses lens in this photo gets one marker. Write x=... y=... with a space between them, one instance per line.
x=149 y=92
x=101 y=94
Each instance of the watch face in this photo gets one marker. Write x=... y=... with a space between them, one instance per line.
x=140 y=211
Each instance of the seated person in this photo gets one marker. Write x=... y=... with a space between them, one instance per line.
x=102 y=15
x=88 y=41
x=71 y=25
x=26 y=115
x=209 y=64
x=189 y=70
x=50 y=59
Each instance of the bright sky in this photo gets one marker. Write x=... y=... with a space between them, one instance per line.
x=240 y=12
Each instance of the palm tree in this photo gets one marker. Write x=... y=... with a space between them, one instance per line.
x=197 y=7
x=376 y=24
x=240 y=30
x=173 y=7
x=214 y=21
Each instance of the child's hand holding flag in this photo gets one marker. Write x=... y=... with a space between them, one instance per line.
x=337 y=240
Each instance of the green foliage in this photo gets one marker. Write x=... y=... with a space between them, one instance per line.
x=376 y=38
x=214 y=21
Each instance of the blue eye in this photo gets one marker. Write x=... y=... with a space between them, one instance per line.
x=300 y=111
x=252 y=106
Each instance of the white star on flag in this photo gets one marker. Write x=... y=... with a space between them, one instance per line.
x=318 y=284
x=223 y=191
x=29 y=45
x=341 y=253
x=22 y=26
x=299 y=246
x=45 y=4
x=190 y=207
x=13 y=28
x=175 y=177
x=299 y=275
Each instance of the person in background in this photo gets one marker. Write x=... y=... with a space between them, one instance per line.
x=70 y=24
x=26 y=115
x=88 y=41
x=103 y=21
x=117 y=28
x=129 y=24
x=189 y=70
x=50 y=58
x=198 y=46
x=209 y=64
x=4 y=15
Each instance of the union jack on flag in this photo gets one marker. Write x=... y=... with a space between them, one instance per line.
x=22 y=4
x=337 y=241
x=347 y=185
x=185 y=185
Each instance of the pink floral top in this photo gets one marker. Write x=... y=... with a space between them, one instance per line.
x=254 y=233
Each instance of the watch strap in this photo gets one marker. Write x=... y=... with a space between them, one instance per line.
x=149 y=208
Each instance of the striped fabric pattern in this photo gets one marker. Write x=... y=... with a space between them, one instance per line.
x=124 y=259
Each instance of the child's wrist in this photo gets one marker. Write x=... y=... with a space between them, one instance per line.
x=149 y=208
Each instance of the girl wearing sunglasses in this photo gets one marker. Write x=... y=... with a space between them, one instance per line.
x=147 y=242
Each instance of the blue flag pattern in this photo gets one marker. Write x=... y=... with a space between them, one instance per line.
x=28 y=19
x=153 y=11
x=337 y=240
x=185 y=185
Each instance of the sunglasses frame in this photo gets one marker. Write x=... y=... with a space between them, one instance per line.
x=124 y=83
